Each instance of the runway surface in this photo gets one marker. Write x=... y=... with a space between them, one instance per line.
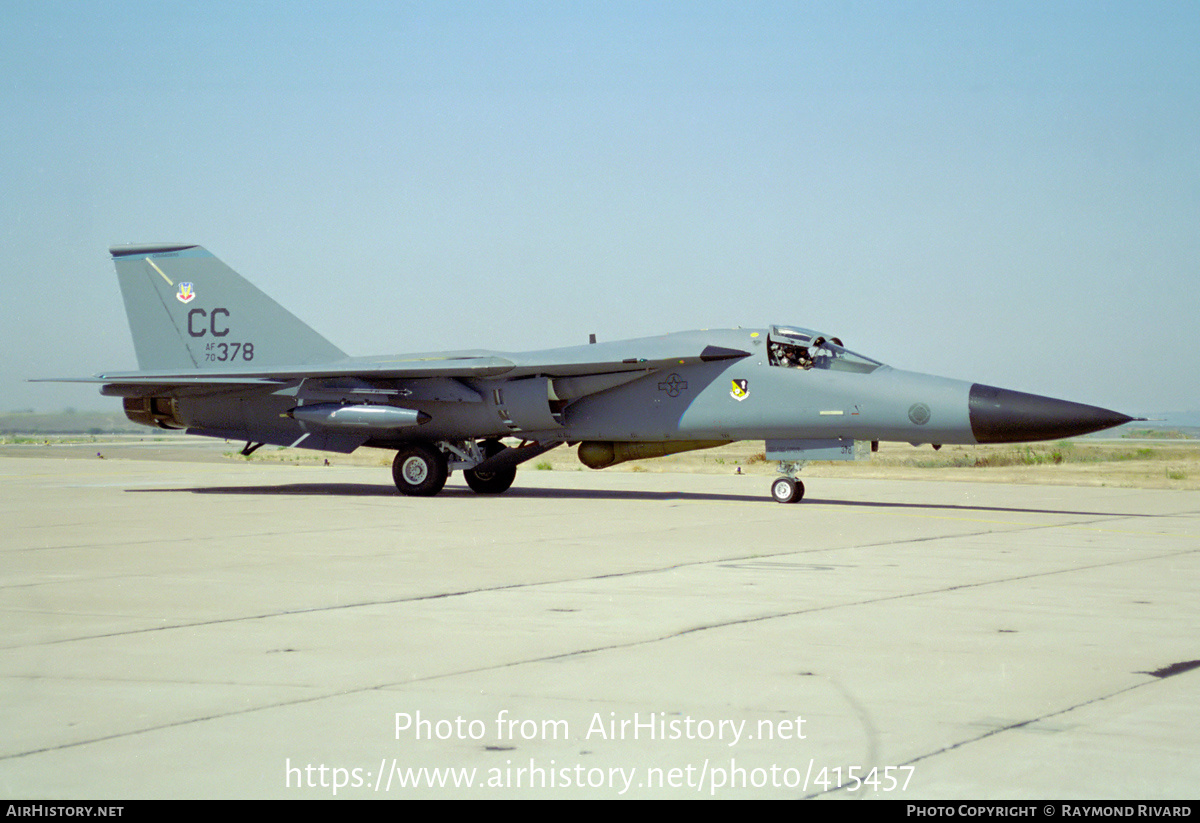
x=182 y=629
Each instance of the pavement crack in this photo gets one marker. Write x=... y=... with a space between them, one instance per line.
x=1013 y=726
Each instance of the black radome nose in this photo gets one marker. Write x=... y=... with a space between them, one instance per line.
x=1004 y=416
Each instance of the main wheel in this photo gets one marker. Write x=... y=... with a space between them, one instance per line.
x=787 y=490
x=419 y=470
x=496 y=482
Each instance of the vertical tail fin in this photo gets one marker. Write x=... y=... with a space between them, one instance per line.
x=188 y=310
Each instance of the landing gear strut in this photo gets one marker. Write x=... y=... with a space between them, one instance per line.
x=420 y=469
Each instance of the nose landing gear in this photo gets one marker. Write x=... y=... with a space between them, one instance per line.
x=788 y=489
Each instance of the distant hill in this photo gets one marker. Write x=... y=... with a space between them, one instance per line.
x=1187 y=419
x=67 y=422
x=1169 y=425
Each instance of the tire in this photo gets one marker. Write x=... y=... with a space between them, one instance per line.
x=419 y=470
x=496 y=482
x=787 y=490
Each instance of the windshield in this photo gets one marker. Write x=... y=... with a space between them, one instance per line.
x=800 y=348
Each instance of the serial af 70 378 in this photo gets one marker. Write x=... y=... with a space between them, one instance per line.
x=219 y=358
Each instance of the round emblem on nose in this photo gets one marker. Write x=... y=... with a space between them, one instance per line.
x=919 y=413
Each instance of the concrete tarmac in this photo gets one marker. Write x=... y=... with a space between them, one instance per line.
x=226 y=630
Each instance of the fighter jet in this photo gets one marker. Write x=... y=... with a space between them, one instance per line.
x=219 y=358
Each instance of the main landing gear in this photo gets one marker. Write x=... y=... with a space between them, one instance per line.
x=420 y=469
x=493 y=482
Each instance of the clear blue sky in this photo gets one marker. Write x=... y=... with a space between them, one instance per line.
x=1003 y=192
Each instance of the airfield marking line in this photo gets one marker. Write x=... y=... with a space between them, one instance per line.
x=626 y=645
x=1130 y=531
x=1008 y=727
x=190 y=539
x=679 y=498
x=942 y=590
x=579 y=652
x=1049 y=525
x=1027 y=525
x=514 y=586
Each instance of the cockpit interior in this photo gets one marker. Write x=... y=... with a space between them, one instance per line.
x=793 y=347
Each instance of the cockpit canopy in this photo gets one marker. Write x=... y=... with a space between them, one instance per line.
x=796 y=347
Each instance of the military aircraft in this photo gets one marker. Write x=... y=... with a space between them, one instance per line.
x=219 y=358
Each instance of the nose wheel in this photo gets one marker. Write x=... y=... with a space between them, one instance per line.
x=787 y=490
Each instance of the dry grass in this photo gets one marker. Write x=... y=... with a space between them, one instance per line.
x=1082 y=462
x=1135 y=463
